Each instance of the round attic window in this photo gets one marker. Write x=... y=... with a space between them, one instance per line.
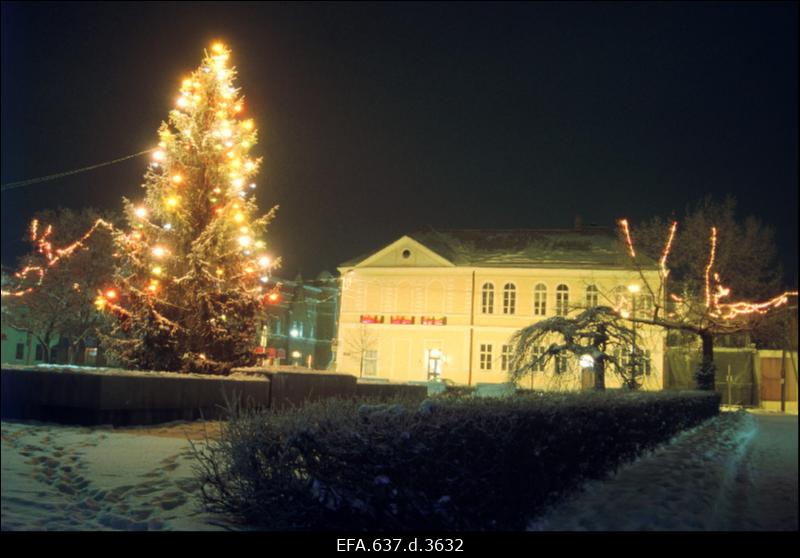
x=406 y=253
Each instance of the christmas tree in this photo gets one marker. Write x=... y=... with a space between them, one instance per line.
x=193 y=264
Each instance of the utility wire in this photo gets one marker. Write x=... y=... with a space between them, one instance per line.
x=30 y=181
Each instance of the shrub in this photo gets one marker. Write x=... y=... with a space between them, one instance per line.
x=468 y=464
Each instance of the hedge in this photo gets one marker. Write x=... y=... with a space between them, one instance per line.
x=470 y=464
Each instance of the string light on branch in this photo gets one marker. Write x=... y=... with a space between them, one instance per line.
x=711 y=256
x=626 y=231
x=663 y=261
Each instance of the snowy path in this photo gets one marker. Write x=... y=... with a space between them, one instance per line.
x=767 y=493
x=72 y=478
x=735 y=472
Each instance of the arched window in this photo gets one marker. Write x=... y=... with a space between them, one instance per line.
x=562 y=300
x=591 y=296
x=540 y=300
x=509 y=299
x=487 y=299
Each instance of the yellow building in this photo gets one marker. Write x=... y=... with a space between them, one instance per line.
x=443 y=304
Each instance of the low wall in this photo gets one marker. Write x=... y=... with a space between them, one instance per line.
x=292 y=389
x=88 y=398
x=391 y=391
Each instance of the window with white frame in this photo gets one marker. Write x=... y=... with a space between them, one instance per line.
x=487 y=299
x=540 y=300
x=562 y=300
x=624 y=358
x=505 y=358
x=486 y=356
x=592 y=296
x=509 y=299
x=371 y=363
x=538 y=352
x=562 y=363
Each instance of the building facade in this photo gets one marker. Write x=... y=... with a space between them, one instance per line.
x=443 y=305
x=298 y=324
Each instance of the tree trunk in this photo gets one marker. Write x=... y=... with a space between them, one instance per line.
x=599 y=374
x=706 y=374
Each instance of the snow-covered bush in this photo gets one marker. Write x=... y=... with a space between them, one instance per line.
x=469 y=464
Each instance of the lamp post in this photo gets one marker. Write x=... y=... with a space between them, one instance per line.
x=634 y=290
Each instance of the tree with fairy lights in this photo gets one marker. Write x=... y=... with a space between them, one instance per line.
x=193 y=264
x=706 y=310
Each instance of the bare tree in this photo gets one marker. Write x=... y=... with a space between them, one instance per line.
x=358 y=343
x=53 y=294
x=700 y=309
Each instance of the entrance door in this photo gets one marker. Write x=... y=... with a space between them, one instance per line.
x=434 y=364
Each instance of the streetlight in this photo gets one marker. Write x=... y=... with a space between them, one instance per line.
x=634 y=290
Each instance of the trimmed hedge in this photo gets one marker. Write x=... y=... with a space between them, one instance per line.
x=471 y=464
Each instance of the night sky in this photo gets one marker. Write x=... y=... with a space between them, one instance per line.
x=379 y=120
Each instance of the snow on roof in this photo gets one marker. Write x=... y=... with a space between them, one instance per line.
x=590 y=246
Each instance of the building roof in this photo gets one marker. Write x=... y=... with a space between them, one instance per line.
x=590 y=246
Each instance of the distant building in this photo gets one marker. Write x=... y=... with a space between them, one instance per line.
x=298 y=327
x=443 y=305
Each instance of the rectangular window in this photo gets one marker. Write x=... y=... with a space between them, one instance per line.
x=486 y=357
x=646 y=361
x=20 y=351
x=371 y=363
x=562 y=363
x=509 y=299
x=538 y=352
x=540 y=301
x=39 y=352
x=505 y=358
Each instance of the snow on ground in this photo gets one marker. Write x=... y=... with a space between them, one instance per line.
x=737 y=471
x=65 y=478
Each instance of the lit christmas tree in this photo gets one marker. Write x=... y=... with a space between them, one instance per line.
x=193 y=266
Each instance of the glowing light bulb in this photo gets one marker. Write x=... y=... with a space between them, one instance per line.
x=219 y=271
x=218 y=47
x=237 y=108
x=157 y=270
x=249 y=165
x=252 y=185
x=248 y=124
x=167 y=226
x=140 y=212
x=159 y=251
x=172 y=201
x=238 y=217
x=263 y=261
x=159 y=155
x=237 y=182
x=260 y=244
x=245 y=240
x=187 y=82
x=111 y=294
x=226 y=132
x=245 y=144
x=182 y=102
x=177 y=179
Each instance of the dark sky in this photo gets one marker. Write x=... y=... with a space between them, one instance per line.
x=378 y=120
